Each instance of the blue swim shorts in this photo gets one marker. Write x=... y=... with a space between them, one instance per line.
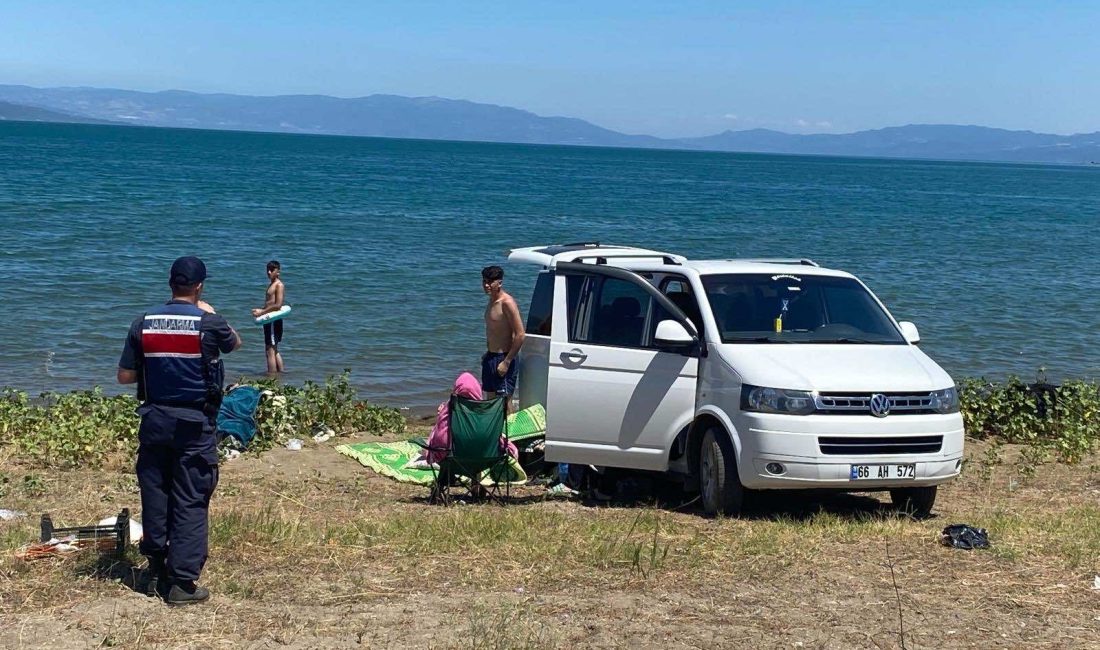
x=491 y=381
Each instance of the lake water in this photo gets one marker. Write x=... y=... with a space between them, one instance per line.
x=382 y=242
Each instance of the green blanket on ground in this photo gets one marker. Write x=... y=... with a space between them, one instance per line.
x=392 y=459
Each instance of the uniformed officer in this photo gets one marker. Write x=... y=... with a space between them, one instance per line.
x=172 y=353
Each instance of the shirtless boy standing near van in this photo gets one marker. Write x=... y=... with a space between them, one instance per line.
x=273 y=332
x=503 y=337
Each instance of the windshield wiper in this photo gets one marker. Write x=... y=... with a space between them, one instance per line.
x=755 y=339
x=847 y=340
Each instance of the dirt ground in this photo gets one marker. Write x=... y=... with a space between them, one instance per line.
x=311 y=550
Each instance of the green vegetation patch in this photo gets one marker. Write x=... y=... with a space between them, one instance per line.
x=81 y=428
x=1062 y=420
x=88 y=428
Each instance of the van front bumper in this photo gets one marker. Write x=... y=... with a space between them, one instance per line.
x=792 y=446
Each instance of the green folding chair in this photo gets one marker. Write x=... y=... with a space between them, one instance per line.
x=475 y=451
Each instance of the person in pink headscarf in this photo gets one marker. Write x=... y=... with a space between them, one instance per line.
x=466 y=386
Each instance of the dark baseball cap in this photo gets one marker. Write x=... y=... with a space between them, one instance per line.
x=187 y=271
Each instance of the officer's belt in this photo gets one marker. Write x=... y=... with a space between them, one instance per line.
x=186 y=405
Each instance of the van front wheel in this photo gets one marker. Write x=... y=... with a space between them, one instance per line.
x=720 y=486
x=915 y=501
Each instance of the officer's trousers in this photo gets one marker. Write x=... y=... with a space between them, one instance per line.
x=177 y=471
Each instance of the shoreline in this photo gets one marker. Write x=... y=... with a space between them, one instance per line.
x=412 y=410
x=415 y=414
x=422 y=411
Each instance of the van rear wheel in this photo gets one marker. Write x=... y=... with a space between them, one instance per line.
x=915 y=501
x=719 y=483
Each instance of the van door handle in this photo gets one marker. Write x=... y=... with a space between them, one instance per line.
x=575 y=355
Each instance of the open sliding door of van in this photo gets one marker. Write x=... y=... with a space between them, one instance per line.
x=614 y=396
x=535 y=353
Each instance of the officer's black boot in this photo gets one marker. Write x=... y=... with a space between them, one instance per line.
x=155 y=577
x=186 y=593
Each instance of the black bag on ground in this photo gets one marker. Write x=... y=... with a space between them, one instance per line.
x=964 y=536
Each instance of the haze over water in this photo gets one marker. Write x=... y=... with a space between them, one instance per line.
x=382 y=242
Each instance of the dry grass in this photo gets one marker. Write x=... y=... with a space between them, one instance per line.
x=309 y=550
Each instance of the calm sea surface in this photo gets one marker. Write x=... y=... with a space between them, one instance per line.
x=382 y=242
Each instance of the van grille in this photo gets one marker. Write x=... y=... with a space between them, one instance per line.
x=857 y=403
x=880 y=446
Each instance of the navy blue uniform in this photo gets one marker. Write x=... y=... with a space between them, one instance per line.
x=175 y=349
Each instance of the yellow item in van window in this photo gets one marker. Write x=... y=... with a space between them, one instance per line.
x=778 y=324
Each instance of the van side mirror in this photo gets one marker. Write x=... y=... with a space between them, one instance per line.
x=672 y=334
x=909 y=331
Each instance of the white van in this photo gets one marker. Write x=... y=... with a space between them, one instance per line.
x=734 y=374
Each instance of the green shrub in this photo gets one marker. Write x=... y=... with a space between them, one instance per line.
x=302 y=411
x=87 y=428
x=1065 y=419
x=81 y=428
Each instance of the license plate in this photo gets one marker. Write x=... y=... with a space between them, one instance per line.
x=883 y=472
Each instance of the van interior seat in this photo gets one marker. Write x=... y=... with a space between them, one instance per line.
x=765 y=309
x=689 y=306
x=805 y=312
x=740 y=316
x=622 y=322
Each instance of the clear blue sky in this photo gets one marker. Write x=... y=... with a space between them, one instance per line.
x=665 y=68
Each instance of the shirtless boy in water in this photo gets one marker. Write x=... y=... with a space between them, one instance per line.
x=273 y=332
x=503 y=337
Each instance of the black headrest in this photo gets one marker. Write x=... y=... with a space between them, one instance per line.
x=626 y=306
x=681 y=299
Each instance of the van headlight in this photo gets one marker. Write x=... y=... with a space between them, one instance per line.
x=946 y=400
x=776 y=400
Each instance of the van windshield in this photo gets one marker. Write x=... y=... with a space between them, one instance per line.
x=792 y=308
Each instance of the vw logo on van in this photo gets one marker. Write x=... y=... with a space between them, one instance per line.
x=880 y=405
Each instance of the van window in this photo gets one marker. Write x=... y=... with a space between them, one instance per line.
x=578 y=288
x=675 y=285
x=608 y=311
x=679 y=292
x=542 y=305
x=789 y=308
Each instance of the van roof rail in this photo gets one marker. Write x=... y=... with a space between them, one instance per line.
x=804 y=261
x=602 y=259
x=548 y=256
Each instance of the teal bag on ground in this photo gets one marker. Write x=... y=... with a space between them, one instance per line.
x=236 y=417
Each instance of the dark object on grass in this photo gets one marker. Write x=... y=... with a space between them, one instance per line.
x=964 y=536
x=237 y=415
x=107 y=539
x=633 y=488
x=1046 y=397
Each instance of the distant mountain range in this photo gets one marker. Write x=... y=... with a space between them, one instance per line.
x=937 y=141
x=436 y=118
x=21 y=113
